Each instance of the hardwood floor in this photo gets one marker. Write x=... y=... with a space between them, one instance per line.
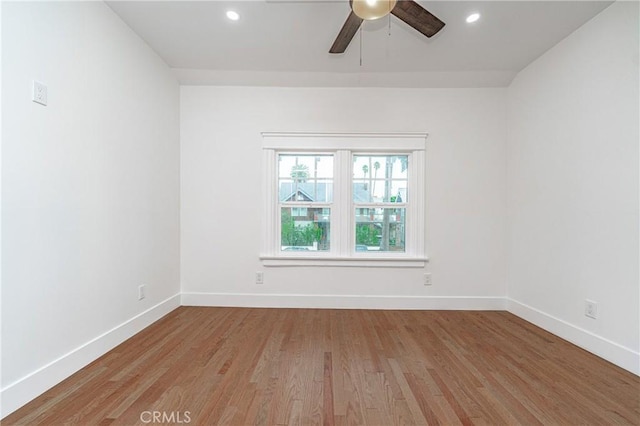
x=207 y=366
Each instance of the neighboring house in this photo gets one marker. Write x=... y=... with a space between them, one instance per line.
x=303 y=216
x=321 y=192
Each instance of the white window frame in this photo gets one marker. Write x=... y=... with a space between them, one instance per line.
x=342 y=247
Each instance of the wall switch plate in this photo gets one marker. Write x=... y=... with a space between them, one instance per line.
x=591 y=309
x=427 y=278
x=141 y=292
x=259 y=277
x=39 y=93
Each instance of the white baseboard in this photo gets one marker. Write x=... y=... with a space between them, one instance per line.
x=321 y=301
x=617 y=354
x=24 y=390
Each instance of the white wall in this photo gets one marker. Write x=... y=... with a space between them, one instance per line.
x=573 y=187
x=221 y=195
x=90 y=188
x=90 y=191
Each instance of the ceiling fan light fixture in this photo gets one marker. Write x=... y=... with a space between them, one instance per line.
x=370 y=10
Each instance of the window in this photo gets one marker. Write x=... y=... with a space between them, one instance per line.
x=305 y=188
x=379 y=191
x=354 y=199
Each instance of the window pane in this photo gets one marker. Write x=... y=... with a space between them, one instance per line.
x=317 y=191
x=379 y=191
x=308 y=232
x=305 y=167
x=307 y=178
x=380 y=166
x=380 y=178
x=380 y=229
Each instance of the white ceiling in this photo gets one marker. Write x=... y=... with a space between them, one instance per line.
x=287 y=42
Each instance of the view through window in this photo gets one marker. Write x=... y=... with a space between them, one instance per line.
x=344 y=199
x=305 y=184
x=380 y=184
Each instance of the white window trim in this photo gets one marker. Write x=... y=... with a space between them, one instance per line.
x=342 y=143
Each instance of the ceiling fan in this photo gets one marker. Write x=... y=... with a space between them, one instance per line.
x=408 y=11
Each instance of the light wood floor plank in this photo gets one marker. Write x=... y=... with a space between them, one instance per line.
x=240 y=366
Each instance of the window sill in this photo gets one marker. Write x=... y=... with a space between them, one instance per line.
x=369 y=262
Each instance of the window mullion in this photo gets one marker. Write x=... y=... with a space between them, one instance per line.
x=348 y=210
x=342 y=202
x=335 y=208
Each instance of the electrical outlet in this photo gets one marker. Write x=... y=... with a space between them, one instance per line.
x=591 y=309
x=141 y=292
x=259 y=277
x=39 y=93
x=427 y=278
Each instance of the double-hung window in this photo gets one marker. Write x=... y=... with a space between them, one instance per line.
x=344 y=199
x=305 y=194
x=380 y=190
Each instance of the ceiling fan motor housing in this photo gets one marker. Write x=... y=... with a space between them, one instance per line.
x=370 y=10
x=408 y=11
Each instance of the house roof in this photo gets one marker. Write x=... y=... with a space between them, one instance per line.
x=318 y=192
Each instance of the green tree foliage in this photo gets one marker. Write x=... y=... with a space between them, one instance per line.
x=300 y=173
x=367 y=234
x=298 y=235
x=287 y=228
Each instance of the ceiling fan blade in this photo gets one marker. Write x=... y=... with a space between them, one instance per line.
x=347 y=32
x=417 y=17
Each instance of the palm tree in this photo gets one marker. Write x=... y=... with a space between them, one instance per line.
x=365 y=170
x=299 y=174
x=316 y=160
x=376 y=166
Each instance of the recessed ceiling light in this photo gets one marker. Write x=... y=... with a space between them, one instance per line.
x=233 y=15
x=473 y=18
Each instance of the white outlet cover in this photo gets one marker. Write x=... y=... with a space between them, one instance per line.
x=39 y=93
x=427 y=279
